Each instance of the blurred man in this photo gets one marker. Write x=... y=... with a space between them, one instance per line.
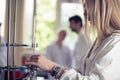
x=81 y=46
x=3 y=51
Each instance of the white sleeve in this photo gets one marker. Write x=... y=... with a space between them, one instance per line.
x=3 y=54
x=69 y=58
x=71 y=75
x=105 y=68
x=74 y=75
x=49 y=52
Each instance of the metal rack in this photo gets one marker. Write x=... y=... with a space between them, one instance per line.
x=10 y=72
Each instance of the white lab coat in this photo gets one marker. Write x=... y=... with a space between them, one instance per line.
x=3 y=54
x=80 y=50
x=61 y=56
x=102 y=64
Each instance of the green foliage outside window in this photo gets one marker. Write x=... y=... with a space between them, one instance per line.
x=45 y=22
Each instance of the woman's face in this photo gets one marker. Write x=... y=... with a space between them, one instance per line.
x=86 y=12
x=61 y=35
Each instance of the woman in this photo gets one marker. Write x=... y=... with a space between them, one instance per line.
x=103 y=60
x=58 y=52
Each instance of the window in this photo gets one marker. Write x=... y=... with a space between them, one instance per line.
x=2 y=16
x=68 y=10
x=45 y=22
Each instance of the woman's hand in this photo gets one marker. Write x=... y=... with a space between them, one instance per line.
x=41 y=61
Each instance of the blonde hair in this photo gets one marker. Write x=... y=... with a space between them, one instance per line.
x=104 y=16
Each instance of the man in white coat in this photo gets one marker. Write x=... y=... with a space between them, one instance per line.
x=81 y=46
x=3 y=53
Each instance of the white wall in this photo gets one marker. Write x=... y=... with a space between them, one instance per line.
x=28 y=21
x=2 y=16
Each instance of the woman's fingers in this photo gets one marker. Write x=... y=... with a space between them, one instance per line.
x=31 y=63
x=40 y=61
x=34 y=60
x=34 y=56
